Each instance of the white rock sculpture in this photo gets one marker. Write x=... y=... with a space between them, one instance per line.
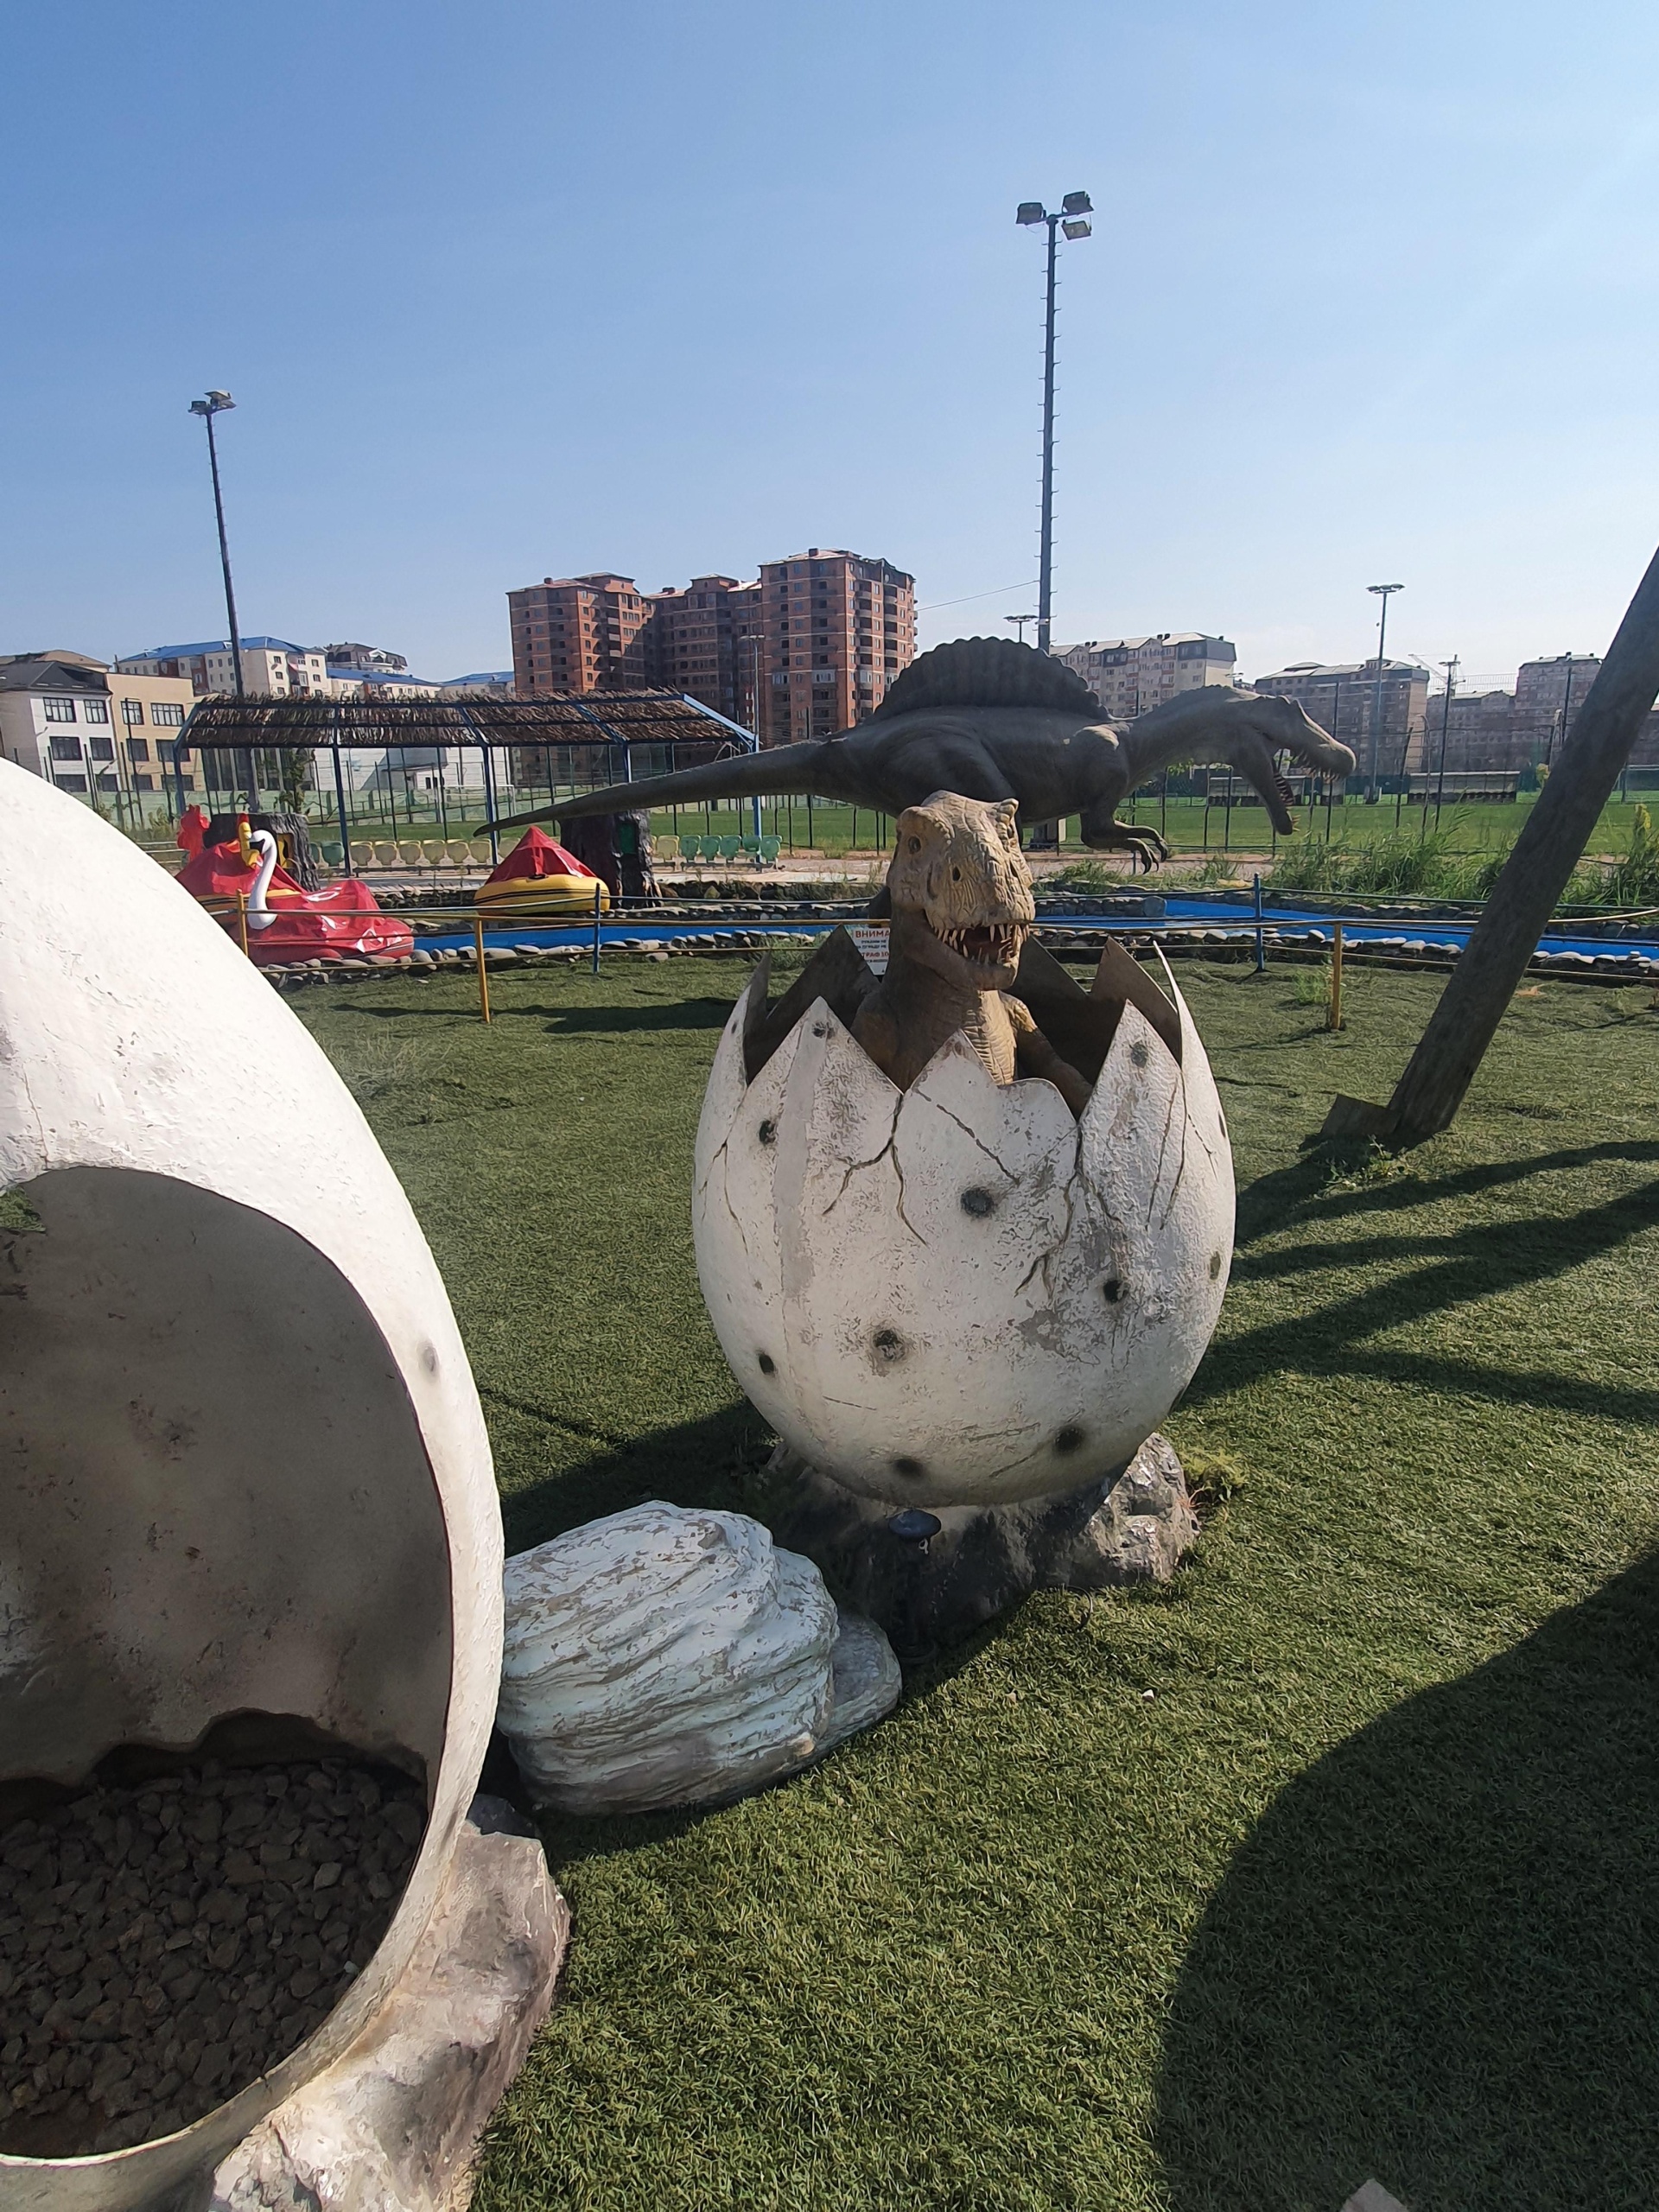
x=667 y=1656
x=957 y=1293
x=246 y=1470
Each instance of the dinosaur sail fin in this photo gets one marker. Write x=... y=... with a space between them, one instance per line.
x=741 y=775
x=986 y=672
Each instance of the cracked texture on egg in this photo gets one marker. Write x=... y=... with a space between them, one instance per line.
x=956 y=1293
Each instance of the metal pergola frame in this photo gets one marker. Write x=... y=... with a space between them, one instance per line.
x=616 y=720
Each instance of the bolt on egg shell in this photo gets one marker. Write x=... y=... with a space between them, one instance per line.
x=957 y=1293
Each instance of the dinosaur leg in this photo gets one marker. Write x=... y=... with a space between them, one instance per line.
x=1103 y=833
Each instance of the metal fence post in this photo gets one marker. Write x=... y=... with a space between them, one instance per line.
x=483 y=970
x=1261 y=947
x=598 y=896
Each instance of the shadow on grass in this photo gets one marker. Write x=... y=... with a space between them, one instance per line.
x=1461 y=1268
x=675 y=1014
x=569 y=1020
x=1432 y=1961
x=1264 y=1203
x=712 y=1462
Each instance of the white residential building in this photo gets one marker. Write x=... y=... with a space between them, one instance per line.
x=271 y=667
x=67 y=717
x=1129 y=675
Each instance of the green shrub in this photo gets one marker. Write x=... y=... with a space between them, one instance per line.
x=1634 y=881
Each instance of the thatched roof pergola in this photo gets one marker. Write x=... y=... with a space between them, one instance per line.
x=593 y=733
x=560 y=718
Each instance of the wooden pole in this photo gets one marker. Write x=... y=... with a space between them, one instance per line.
x=483 y=971
x=1333 y=1012
x=1551 y=844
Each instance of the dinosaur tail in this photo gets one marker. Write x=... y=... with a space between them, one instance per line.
x=741 y=775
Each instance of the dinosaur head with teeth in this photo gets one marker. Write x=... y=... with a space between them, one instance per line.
x=961 y=891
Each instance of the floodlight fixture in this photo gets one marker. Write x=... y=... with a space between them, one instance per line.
x=1031 y=211
x=215 y=403
x=1078 y=229
x=1076 y=203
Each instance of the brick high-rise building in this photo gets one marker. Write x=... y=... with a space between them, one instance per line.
x=695 y=642
x=1547 y=696
x=835 y=628
x=577 y=633
x=748 y=655
x=1340 y=699
x=809 y=649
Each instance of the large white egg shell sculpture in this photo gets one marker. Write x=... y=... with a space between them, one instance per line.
x=957 y=1293
x=245 y=1469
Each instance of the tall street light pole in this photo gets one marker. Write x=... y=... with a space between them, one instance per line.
x=1381 y=591
x=216 y=403
x=1071 y=218
x=1567 y=709
x=1451 y=668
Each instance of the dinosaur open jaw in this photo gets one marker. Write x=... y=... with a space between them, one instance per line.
x=988 y=945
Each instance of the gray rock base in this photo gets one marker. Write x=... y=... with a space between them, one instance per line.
x=865 y=1677
x=393 y=2125
x=1133 y=1527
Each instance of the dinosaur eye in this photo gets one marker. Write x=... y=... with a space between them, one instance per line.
x=914 y=845
x=956 y=875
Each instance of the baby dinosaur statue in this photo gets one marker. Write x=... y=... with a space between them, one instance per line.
x=962 y=908
x=995 y=720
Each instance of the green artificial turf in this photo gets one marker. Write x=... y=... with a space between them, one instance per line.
x=1338 y=1859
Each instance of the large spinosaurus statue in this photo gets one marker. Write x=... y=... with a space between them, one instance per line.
x=993 y=719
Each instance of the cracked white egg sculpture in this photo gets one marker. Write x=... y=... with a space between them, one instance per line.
x=960 y=1293
x=248 y=1487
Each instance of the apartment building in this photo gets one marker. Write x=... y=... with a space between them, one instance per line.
x=1478 y=730
x=1129 y=675
x=808 y=648
x=835 y=628
x=364 y=660
x=90 y=730
x=749 y=669
x=1340 y=698
x=1547 y=696
x=271 y=667
x=696 y=641
x=577 y=633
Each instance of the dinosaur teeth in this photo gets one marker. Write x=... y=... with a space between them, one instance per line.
x=983 y=944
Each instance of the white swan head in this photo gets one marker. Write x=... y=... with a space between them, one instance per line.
x=259 y=914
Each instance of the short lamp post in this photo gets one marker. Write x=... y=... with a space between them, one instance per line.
x=1382 y=592
x=216 y=403
x=1073 y=219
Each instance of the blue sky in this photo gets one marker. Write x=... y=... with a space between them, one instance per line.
x=505 y=291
